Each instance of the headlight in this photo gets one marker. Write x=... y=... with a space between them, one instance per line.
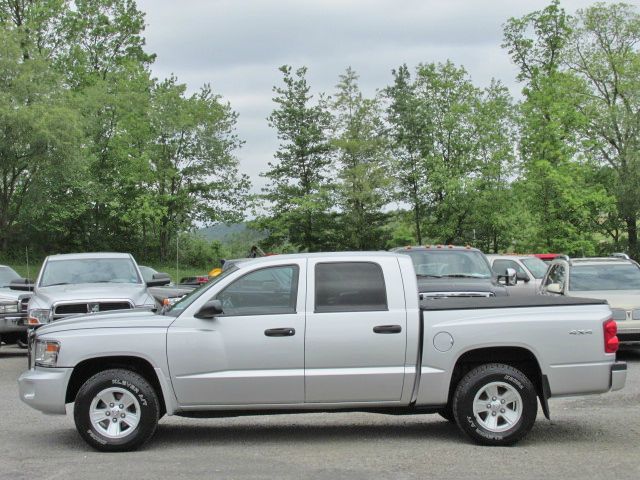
x=618 y=314
x=38 y=316
x=8 y=308
x=46 y=353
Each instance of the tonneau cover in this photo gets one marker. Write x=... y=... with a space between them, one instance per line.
x=475 y=303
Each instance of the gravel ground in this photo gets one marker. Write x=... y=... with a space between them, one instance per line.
x=589 y=437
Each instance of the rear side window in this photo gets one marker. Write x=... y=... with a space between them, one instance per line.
x=350 y=287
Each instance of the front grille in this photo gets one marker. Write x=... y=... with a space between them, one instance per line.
x=94 y=307
x=72 y=309
x=106 y=307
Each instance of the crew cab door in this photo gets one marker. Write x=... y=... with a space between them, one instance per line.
x=251 y=354
x=356 y=331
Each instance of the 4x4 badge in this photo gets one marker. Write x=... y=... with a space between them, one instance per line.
x=581 y=332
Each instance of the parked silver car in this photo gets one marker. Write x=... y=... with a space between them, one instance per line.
x=83 y=283
x=529 y=269
x=12 y=327
x=614 y=279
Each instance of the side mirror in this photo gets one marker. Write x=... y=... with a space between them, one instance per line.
x=522 y=277
x=210 y=310
x=22 y=285
x=159 y=279
x=510 y=277
x=554 y=288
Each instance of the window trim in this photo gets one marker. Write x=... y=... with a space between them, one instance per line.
x=347 y=309
x=296 y=286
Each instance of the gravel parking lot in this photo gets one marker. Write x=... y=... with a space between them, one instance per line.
x=589 y=437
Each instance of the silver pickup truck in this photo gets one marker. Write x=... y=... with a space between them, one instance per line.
x=322 y=332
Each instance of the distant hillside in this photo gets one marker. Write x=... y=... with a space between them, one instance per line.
x=228 y=232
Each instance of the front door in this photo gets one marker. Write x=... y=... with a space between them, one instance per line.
x=356 y=331
x=251 y=354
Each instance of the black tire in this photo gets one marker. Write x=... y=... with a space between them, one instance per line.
x=147 y=402
x=474 y=382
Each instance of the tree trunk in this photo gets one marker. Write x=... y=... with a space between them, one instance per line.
x=416 y=210
x=632 y=234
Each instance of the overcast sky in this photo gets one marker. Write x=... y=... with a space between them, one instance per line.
x=238 y=45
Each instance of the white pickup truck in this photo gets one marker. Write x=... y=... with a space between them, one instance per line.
x=322 y=332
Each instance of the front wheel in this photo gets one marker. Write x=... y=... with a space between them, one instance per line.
x=116 y=410
x=495 y=404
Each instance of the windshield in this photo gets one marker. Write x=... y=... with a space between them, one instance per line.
x=449 y=263
x=7 y=275
x=536 y=266
x=182 y=304
x=604 y=277
x=89 y=270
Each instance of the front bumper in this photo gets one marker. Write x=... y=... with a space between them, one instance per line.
x=45 y=389
x=12 y=322
x=618 y=375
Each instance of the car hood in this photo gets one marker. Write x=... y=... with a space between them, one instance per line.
x=7 y=294
x=459 y=285
x=627 y=299
x=141 y=318
x=137 y=293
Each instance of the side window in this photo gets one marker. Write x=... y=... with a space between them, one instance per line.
x=268 y=291
x=556 y=275
x=350 y=287
x=500 y=266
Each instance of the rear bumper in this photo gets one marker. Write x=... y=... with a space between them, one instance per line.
x=45 y=389
x=629 y=336
x=618 y=375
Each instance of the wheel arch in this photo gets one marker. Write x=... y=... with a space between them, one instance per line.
x=518 y=357
x=87 y=368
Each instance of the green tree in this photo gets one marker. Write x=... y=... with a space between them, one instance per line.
x=556 y=183
x=39 y=134
x=362 y=157
x=195 y=174
x=298 y=190
x=410 y=135
x=603 y=53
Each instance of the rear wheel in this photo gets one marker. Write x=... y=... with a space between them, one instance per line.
x=116 y=410
x=495 y=404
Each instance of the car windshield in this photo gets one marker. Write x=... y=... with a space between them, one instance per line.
x=536 y=266
x=449 y=263
x=181 y=305
x=585 y=278
x=89 y=270
x=7 y=275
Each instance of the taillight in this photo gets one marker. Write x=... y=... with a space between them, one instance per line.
x=611 y=342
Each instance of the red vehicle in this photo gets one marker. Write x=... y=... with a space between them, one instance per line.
x=546 y=257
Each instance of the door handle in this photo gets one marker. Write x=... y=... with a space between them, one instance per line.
x=280 y=332
x=387 y=329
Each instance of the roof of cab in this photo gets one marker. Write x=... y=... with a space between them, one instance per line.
x=83 y=256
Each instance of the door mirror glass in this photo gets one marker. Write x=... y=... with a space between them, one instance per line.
x=522 y=277
x=159 y=279
x=554 y=288
x=210 y=310
x=22 y=285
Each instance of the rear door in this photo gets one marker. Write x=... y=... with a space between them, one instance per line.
x=356 y=331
